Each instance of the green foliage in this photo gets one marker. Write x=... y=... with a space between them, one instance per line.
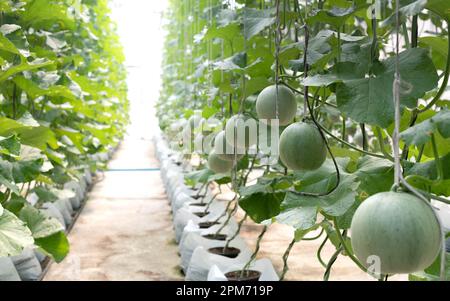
x=62 y=100
x=220 y=56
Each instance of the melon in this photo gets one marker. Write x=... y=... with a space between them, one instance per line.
x=266 y=104
x=218 y=165
x=224 y=150
x=244 y=128
x=398 y=228
x=302 y=147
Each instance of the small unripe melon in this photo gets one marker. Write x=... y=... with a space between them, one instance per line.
x=398 y=230
x=302 y=147
x=218 y=165
x=267 y=103
x=243 y=130
x=224 y=150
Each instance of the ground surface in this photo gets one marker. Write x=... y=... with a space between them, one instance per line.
x=125 y=230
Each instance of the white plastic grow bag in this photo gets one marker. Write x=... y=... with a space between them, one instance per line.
x=50 y=210
x=264 y=266
x=183 y=199
x=79 y=193
x=63 y=207
x=185 y=214
x=202 y=261
x=8 y=271
x=193 y=227
x=27 y=265
x=194 y=240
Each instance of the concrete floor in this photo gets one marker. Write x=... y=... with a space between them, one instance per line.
x=125 y=230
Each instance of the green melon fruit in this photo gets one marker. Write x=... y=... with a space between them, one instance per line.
x=400 y=229
x=218 y=165
x=246 y=131
x=194 y=122
x=266 y=104
x=302 y=147
x=224 y=150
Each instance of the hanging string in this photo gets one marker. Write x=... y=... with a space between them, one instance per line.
x=398 y=174
x=305 y=65
x=396 y=94
x=278 y=37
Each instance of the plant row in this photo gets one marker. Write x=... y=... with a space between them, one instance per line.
x=332 y=75
x=63 y=108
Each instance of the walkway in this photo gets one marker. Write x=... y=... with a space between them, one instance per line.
x=125 y=230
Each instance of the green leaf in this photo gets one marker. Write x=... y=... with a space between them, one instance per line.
x=15 y=204
x=439 y=49
x=28 y=132
x=45 y=194
x=299 y=233
x=9 y=184
x=322 y=179
x=335 y=17
x=367 y=100
x=432 y=273
x=39 y=224
x=14 y=235
x=262 y=206
x=421 y=133
x=228 y=32
x=335 y=204
x=340 y=72
x=56 y=245
x=375 y=174
x=35 y=91
x=7 y=45
x=23 y=66
x=26 y=171
x=428 y=171
x=10 y=145
x=256 y=20
x=439 y=7
x=300 y=218
x=199 y=176
x=44 y=13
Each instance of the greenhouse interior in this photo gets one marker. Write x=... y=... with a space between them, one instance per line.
x=225 y=140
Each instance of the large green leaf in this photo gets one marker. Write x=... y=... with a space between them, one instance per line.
x=370 y=99
x=440 y=7
x=23 y=66
x=7 y=45
x=228 y=32
x=262 y=206
x=375 y=174
x=45 y=13
x=8 y=183
x=14 y=235
x=421 y=133
x=35 y=91
x=300 y=211
x=39 y=224
x=29 y=132
x=10 y=145
x=256 y=20
x=56 y=245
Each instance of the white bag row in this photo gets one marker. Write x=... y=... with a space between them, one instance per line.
x=28 y=265
x=197 y=218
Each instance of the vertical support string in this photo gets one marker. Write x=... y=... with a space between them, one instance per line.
x=398 y=175
x=305 y=62
x=396 y=96
x=278 y=37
